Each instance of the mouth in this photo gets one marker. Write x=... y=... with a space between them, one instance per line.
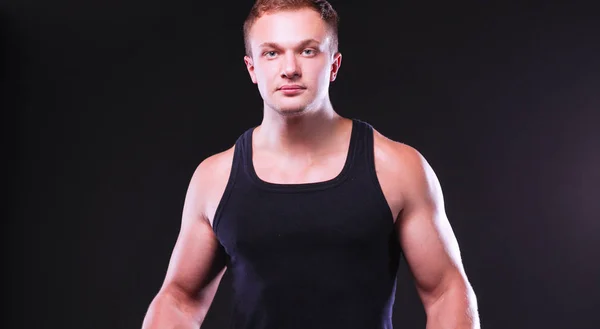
x=291 y=89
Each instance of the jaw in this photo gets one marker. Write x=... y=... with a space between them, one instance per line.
x=295 y=105
x=297 y=108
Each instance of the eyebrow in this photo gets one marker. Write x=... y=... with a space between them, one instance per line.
x=302 y=43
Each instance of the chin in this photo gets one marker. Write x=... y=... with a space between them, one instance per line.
x=291 y=111
x=291 y=108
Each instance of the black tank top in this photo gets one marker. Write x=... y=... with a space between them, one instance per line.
x=314 y=255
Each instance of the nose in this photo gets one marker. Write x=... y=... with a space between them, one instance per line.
x=290 y=69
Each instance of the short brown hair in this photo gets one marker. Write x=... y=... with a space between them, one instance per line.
x=261 y=7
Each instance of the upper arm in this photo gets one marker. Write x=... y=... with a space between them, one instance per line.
x=197 y=262
x=425 y=234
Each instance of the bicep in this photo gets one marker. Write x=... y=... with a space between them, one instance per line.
x=426 y=236
x=198 y=260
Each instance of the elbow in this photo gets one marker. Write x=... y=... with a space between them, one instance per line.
x=193 y=305
x=454 y=307
x=172 y=306
x=471 y=308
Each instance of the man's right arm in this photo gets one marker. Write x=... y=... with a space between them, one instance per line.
x=197 y=262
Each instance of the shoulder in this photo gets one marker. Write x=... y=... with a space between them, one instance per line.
x=403 y=165
x=396 y=156
x=208 y=183
x=213 y=169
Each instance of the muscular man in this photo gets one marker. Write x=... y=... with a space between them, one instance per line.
x=310 y=211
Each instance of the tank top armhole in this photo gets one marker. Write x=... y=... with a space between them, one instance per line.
x=229 y=187
x=369 y=140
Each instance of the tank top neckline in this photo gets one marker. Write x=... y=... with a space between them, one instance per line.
x=301 y=187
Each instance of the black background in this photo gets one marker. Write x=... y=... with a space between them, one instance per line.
x=109 y=106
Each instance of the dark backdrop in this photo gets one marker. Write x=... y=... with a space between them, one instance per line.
x=110 y=105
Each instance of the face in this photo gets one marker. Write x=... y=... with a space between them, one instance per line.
x=292 y=62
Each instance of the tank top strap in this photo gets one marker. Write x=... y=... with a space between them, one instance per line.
x=363 y=158
x=244 y=144
x=235 y=174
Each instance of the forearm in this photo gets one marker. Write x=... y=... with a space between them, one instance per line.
x=456 y=308
x=169 y=312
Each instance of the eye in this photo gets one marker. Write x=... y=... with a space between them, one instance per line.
x=270 y=54
x=309 y=52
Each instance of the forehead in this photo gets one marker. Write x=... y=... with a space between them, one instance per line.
x=289 y=27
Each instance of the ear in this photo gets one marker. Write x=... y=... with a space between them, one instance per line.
x=335 y=66
x=250 y=67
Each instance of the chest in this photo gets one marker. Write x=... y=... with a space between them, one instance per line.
x=278 y=170
x=338 y=219
x=302 y=206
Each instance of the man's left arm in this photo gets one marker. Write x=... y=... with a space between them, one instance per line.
x=432 y=251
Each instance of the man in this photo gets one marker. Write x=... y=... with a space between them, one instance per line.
x=310 y=211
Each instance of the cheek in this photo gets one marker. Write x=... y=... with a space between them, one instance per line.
x=324 y=74
x=262 y=75
x=262 y=81
x=321 y=67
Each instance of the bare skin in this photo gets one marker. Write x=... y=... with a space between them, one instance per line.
x=303 y=140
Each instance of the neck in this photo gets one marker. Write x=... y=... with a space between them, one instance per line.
x=308 y=132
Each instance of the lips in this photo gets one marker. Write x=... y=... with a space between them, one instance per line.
x=291 y=87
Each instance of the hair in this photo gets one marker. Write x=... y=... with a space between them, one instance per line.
x=261 y=7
